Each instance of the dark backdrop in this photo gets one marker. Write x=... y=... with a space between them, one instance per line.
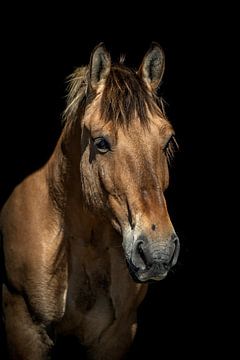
x=179 y=315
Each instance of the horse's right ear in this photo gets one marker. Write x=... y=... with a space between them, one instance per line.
x=152 y=67
x=100 y=64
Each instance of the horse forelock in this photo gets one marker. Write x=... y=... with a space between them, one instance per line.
x=124 y=97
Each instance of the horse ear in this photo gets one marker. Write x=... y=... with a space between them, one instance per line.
x=100 y=64
x=152 y=67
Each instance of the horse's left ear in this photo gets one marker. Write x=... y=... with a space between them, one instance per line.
x=152 y=67
x=100 y=64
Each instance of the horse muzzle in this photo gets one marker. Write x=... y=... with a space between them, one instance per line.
x=151 y=260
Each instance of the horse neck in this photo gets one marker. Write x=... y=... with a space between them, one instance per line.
x=63 y=170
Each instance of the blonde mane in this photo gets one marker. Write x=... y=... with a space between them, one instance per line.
x=124 y=96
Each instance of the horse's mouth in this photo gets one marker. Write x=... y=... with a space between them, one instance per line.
x=146 y=276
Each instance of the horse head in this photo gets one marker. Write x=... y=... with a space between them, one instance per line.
x=126 y=140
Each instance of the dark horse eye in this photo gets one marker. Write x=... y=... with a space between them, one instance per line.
x=102 y=145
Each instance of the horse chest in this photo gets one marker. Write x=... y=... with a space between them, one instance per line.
x=88 y=304
x=97 y=298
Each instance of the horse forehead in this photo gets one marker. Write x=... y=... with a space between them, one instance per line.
x=157 y=129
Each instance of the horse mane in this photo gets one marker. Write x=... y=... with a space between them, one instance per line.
x=77 y=84
x=124 y=95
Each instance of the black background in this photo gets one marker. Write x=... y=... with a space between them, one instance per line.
x=181 y=315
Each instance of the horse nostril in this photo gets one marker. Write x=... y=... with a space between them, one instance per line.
x=149 y=255
x=139 y=248
x=142 y=255
x=176 y=250
x=176 y=241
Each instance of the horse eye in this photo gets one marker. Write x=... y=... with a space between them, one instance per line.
x=168 y=143
x=101 y=144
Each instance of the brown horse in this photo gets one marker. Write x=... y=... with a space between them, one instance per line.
x=83 y=235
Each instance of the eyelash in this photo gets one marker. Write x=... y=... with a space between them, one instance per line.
x=170 y=148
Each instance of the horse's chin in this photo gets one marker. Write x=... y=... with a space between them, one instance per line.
x=145 y=276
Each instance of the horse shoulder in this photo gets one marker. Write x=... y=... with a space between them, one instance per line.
x=31 y=241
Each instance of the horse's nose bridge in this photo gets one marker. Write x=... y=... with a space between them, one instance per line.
x=155 y=234
x=157 y=224
x=153 y=217
x=147 y=205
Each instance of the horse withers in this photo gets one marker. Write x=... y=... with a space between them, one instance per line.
x=84 y=235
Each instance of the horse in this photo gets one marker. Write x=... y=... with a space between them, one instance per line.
x=84 y=235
